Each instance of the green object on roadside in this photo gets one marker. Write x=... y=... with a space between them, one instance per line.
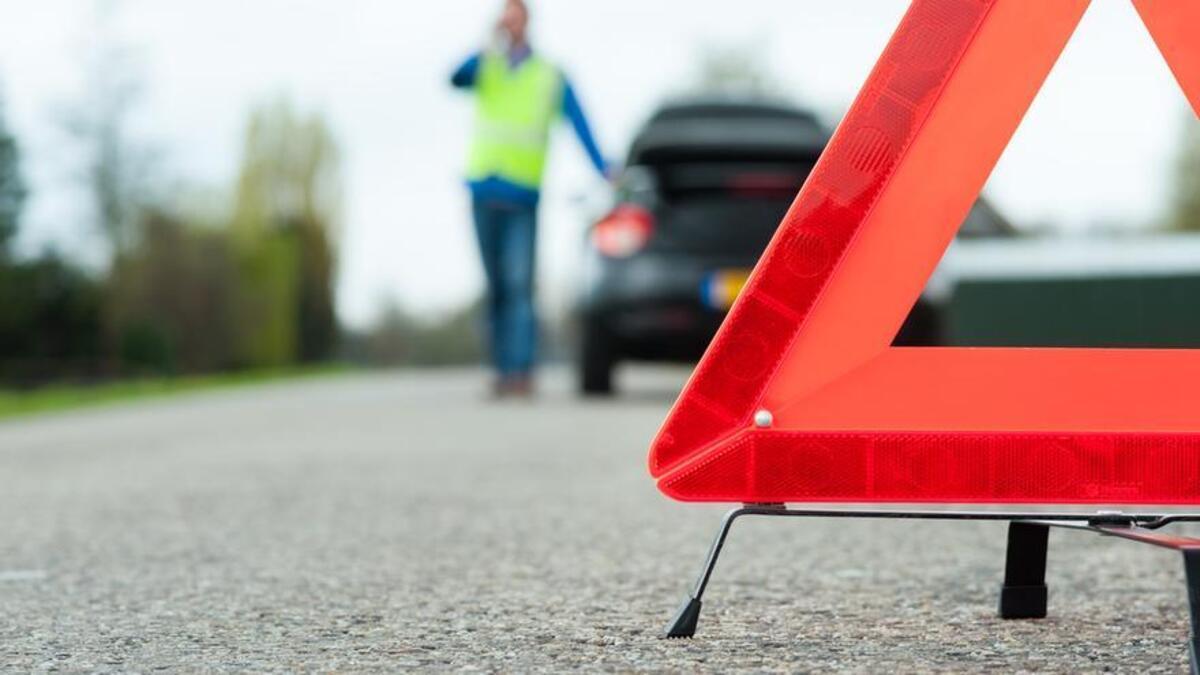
x=1115 y=311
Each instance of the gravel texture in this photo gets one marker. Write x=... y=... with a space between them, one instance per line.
x=402 y=523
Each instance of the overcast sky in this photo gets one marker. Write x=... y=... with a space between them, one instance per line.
x=1096 y=148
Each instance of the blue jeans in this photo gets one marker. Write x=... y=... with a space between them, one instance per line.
x=507 y=234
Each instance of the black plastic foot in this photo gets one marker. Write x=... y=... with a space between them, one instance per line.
x=1023 y=602
x=684 y=623
x=1023 y=595
x=1191 y=568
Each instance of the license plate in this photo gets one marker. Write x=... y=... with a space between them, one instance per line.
x=721 y=288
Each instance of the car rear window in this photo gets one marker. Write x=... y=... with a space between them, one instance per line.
x=729 y=139
x=729 y=208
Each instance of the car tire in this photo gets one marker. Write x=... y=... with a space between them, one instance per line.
x=597 y=360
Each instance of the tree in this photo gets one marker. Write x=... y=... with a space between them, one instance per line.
x=12 y=187
x=291 y=171
x=49 y=309
x=1185 y=211
x=118 y=169
x=171 y=299
x=50 y=323
x=286 y=223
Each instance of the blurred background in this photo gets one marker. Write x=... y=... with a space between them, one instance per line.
x=200 y=193
x=192 y=188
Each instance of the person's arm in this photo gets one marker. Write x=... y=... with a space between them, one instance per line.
x=574 y=112
x=464 y=76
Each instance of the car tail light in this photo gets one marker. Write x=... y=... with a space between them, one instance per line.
x=624 y=231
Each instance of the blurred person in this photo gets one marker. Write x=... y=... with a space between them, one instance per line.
x=518 y=96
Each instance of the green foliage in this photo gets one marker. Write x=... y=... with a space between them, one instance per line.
x=1185 y=212
x=50 y=322
x=265 y=306
x=145 y=347
x=256 y=294
x=170 y=301
x=251 y=292
x=286 y=218
x=49 y=310
x=12 y=187
x=291 y=172
x=316 y=316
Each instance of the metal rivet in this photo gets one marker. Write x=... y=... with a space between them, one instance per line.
x=763 y=419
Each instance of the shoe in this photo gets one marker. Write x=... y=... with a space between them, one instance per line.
x=521 y=386
x=512 y=386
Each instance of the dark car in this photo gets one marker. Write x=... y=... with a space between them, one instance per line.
x=705 y=186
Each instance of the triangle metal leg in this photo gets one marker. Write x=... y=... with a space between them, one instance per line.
x=684 y=623
x=1023 y=595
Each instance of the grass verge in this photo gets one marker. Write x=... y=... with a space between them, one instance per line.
x=58 y=398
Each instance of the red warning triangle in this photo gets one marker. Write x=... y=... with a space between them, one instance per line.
x=801 y=398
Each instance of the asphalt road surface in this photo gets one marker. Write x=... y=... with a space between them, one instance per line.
x=399 y=522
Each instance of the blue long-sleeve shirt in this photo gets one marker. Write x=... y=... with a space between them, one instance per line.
x=495 y=188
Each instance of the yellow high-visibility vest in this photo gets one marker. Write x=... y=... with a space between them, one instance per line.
x=514 y=112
